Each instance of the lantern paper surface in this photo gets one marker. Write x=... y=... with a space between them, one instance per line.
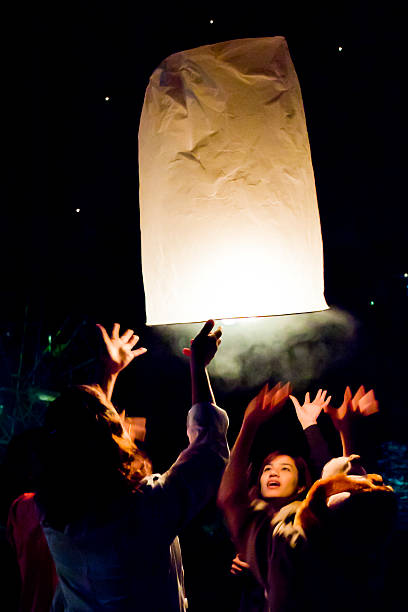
x=229 y=218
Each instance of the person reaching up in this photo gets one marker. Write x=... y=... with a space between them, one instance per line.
x=110 y=524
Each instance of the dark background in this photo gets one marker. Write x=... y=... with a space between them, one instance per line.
x=66 y=147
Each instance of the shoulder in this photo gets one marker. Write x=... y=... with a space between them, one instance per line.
x=24 y=504
x=205 y=414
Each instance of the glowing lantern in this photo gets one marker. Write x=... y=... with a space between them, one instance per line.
x=229 y=218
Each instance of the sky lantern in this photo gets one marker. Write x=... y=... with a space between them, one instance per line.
x=229 y=218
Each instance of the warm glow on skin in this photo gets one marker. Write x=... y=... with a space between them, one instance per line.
x=279 y=477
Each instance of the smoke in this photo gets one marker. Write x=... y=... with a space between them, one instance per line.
x=298 y=348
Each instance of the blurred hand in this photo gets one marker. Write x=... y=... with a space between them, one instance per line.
x=205 y=344
x=134 y=426
x=309 y=411
x=267 y=403
x=368 y=404
x=362 y=404
x=118 y=349
x=342 y=417
x=238 y=566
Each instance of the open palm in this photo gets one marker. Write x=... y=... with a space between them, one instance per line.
x=119 y=349
x=310 y=410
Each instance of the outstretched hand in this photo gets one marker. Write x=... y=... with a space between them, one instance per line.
x=267 y=403
x=362 y=404
x=309 y=411
x=118 y=350
x=205 y=344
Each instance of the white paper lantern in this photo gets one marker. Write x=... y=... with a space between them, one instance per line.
x=229 y=218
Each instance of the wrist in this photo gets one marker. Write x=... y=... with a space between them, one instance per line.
x=198 y=362
x=108 y=374
x=305 y=423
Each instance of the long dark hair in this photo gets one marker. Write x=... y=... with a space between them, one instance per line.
x=87 y=458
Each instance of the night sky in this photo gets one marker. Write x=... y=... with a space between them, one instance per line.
x=69 y=148
x=66 y=148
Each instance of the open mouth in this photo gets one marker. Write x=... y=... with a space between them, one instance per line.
x=273 y=484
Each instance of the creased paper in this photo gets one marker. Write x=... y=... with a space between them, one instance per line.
x=229 y=217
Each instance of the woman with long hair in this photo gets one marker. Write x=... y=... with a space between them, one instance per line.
x=281 y=479
x=110 y=524
x=313 y=549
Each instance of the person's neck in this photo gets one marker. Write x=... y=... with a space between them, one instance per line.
x=276 y=503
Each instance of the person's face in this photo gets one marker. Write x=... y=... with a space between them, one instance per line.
x=279 y=477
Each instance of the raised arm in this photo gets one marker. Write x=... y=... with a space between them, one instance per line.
x=202 y=351
x=233 y=496
x=118 y=352
x=194 y=478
